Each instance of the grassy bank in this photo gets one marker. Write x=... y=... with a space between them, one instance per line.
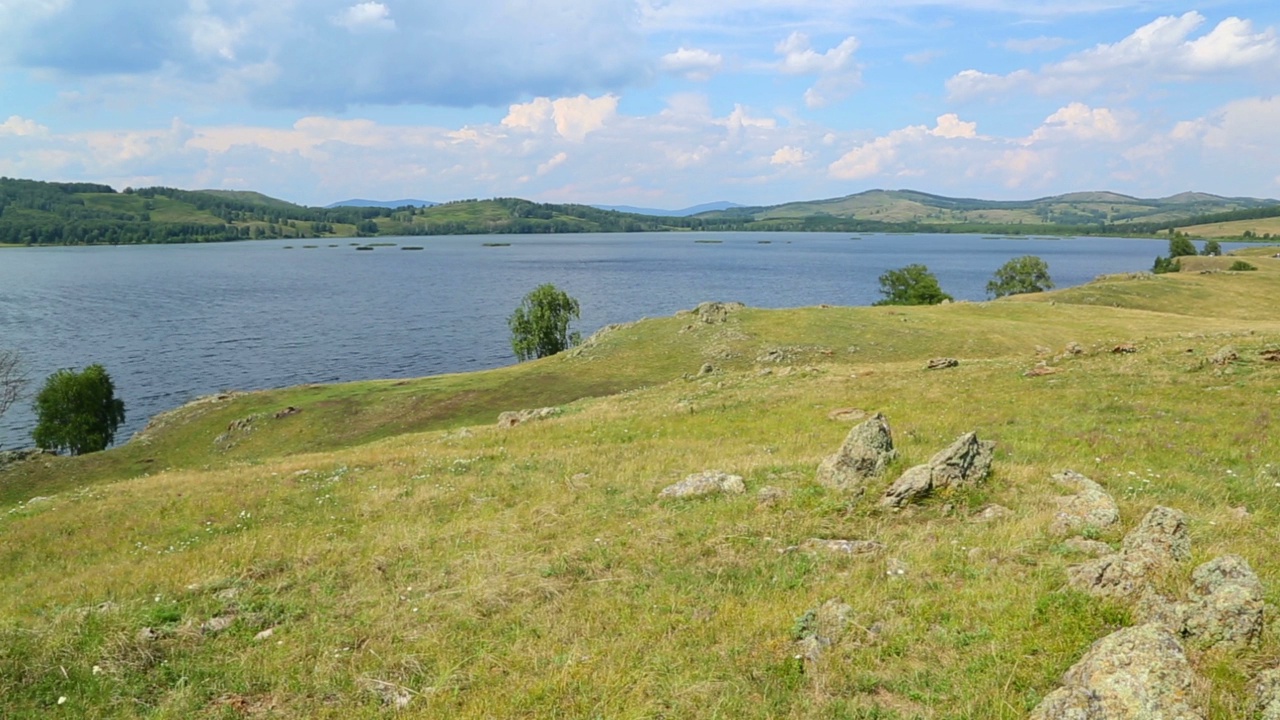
x=404 y=551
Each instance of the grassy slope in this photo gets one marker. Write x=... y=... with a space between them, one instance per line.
x=1235 y=228
x=532 y=572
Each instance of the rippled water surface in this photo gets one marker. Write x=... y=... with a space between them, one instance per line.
x=171 y=323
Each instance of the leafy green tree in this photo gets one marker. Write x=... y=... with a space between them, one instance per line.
x=1180 y=245
x=540 y=326
x=77 y=411
x=1211 y=247
x=911 y=285
x=1026 y=274
x=1165 y=265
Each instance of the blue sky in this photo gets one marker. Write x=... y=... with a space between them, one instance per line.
x=658 y=103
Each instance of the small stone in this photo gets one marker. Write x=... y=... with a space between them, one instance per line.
x=217 y=624
x=942 y=363
x=768 y=495
x=846 y=414
x=1124 y=349
x=1041 y=371
x=842 y=547
x=706 y=369
x=1224 y=356
x=227 y=594
x=1074 y=348
x=707 y=482
x=821 y=627
x=264 y=635
x=512 y=418
x=147 y=634
x=991 y=513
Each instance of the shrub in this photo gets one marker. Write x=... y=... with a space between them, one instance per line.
x=1211 y=247
x=911 y=285
x=1180 y=245
x=1241 y=265
x=540 y=326
x=1165 y=265
x=77 y=411
x=1026 y=274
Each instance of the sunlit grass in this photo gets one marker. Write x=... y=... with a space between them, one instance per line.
x=403 y=549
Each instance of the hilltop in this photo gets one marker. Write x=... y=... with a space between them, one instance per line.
x=347 y=550
x=42 y=213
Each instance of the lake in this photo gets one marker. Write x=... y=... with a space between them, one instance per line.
x=173 y=322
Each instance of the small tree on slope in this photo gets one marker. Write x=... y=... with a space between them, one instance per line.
x=540 y=326
x=77 y=411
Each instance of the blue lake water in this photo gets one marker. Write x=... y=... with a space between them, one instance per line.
x=171 y=323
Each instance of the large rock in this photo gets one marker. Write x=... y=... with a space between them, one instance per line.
x=967 y=461
x=1266 y=695
x=1226 y=604
x=1138 y=673
x=867 y=450
x=1160 y=540
x=1089 y=507
x=707 y=482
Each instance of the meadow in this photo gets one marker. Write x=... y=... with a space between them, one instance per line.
x=384 y=547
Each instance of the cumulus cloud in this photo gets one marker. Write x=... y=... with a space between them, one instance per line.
x=693 y=63
x=881 y=156
x=20 y=126
x=330 y=54
x=555 y=161
x=790 y=156
x=838 y=72
x=573 y=118
x=1078 y=121
x=366 y=17
x=1162 y=50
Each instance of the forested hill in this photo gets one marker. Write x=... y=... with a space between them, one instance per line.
x=46 y=213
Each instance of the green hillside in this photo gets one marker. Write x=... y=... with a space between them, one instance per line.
x=384 y=548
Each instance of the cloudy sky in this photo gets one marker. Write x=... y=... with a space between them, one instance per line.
x=658 y=103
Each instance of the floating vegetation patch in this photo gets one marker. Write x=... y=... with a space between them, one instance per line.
x=310 y=247
x=709 y=242
x=764 y=242
x=411 y=247
x=492 y=244
x=288 y=247
x=365 y=247
x=382 y=244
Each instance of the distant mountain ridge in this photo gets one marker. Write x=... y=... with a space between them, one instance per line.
x=686 y=212
x=392 y=204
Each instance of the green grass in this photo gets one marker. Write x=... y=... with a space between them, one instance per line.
x=397 y=542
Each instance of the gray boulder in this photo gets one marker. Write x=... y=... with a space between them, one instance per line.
x=1226 y=604
x=1138 y=673
x=866 y=451
x=967 y=461
x=1160 y=540
x=707 y=482
x=1090 y=506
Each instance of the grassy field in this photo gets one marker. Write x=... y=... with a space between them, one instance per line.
x=386 y=548
x=1236 y=228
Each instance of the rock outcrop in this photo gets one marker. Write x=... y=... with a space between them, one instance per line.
x=1224 y=606
x=865 y=453
x=1138 y=673
x=966 y=461
x=1266 y=695
x=707 y=482
x=1160 y=540
x=941 y=363
x=512 y=418
x=1089 y=507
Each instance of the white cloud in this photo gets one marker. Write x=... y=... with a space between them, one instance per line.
x=838 y=73
x=1078 y=121
x=365 y=17
x=20 y=127
x=951 y=126
x=555 y=161
x=574 y=118
x=1162 y=50
x=924 y=57
x=790 y=156
x=693 y=63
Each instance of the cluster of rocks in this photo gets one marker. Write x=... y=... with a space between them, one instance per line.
x=10 y=457
x=1143 y=671
x=711 y=313
x=868 y=450
x=512 y=418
